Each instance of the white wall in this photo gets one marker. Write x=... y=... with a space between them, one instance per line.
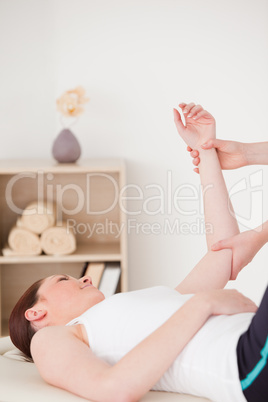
x=137 y=60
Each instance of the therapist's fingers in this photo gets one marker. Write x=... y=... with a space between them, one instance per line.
x=194 y=153
x=221 y=244
x=196 y=161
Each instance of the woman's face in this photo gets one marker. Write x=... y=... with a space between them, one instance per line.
x=65 y=297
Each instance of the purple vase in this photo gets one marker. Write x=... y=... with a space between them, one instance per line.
x=66 y=148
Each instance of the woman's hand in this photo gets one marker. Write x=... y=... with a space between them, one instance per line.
x=244 y=247
x=199 y=125
x=227 y=301
x=231 y=154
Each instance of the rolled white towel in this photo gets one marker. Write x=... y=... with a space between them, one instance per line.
x=37 y=217
x=58 y=240
x=24 y=242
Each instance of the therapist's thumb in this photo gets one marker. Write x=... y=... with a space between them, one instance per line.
x=213 y=143
x=220 y=245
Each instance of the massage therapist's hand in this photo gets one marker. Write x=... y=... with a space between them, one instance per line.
x=227 y=301
x=244 y=247
x=199 y=125
x=231 y=154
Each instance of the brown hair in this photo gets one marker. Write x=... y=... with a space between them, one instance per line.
x=20 y=329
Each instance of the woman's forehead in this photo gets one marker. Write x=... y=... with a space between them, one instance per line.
x=46 y=282
x=48 y=279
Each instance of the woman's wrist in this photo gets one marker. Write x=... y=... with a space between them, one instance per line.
x=204 y=302
x=205 y=154
x=210 y=303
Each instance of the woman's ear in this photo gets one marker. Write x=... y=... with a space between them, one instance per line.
x=34 y=314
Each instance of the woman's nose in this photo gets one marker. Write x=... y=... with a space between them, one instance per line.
x=86 y=279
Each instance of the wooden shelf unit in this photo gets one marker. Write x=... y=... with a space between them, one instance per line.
x=87 y=195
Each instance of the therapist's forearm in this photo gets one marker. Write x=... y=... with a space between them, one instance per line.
x=256 y=153
x=261 y=234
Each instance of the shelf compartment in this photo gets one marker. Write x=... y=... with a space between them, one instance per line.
x=88 y=193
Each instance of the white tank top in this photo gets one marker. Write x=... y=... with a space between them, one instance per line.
x=206 y=367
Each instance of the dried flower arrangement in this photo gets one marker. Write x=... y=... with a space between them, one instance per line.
x=66 y=148
x=69 y=104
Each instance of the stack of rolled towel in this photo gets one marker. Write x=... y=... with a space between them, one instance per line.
x=37 y=231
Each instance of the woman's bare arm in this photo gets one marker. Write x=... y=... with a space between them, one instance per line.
x=232 y=155
x=212 y=271
x=64 y=361
x=219 y=215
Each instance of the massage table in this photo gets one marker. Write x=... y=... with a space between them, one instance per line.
x=20 y=381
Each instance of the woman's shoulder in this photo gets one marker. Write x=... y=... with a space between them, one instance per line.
x=47 y=337
x=57 y=331
x=62 y=358
x=44 y=335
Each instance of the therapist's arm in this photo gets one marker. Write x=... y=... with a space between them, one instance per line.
x=244 y=246
x=233 y=154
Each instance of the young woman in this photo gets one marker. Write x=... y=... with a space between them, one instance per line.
x=182 y=340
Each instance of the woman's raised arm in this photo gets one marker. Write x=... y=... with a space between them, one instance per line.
x=200 y=127
x=213 y=271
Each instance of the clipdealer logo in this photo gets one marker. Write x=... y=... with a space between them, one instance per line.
x=164 y=205
x=133 y=200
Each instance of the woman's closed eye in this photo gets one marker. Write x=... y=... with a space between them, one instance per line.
x=63 y=278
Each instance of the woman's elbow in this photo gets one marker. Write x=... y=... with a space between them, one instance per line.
x=120 y=391
x=125 y=396
x=121 y=395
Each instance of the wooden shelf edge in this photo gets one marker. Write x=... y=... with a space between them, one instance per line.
x=84 y=252
x=64 y=258
x=15 y=166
